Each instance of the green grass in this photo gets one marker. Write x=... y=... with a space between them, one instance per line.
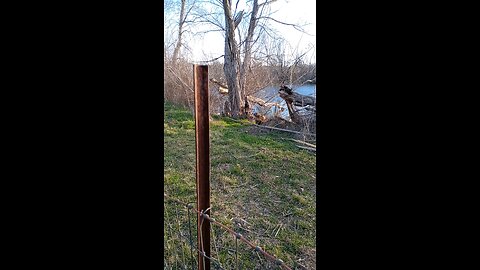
x=263 y=179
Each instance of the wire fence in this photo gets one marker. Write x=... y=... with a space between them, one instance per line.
x=184 y=251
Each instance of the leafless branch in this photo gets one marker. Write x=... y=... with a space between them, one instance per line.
x=179 y=79
x=214 y=59
x=297 y=27
x=266 y=3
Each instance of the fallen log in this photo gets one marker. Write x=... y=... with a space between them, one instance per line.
x=295 y=98
x=262 y=103
x=256 y=100
x=223 y=90
x=218 y=83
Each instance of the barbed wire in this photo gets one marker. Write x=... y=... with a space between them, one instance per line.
x=238 y=236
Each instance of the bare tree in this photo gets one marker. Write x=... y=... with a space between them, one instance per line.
x=245 y=33
x=248 y=50
x=235 y=69
x=181 y=22
x=231 y=59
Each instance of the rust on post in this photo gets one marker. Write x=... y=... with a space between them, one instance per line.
x=202 y=142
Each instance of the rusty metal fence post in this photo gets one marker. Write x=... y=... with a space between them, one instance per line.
x=202 y=142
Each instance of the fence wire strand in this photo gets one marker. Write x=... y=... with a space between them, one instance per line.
x=257 y=249
x=191 y=239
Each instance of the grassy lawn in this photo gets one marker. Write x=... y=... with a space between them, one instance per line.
x=262 y=185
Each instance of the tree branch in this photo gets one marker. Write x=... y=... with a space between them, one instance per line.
x=298 y=28
x=266 y=3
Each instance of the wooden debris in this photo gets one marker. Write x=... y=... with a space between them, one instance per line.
x=295 y=99
x=219 y=84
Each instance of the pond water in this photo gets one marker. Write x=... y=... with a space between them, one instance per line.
x=270 y=94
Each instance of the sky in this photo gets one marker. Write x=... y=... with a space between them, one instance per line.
x=289 y=11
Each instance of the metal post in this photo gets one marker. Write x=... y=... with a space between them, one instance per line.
x=200 y=75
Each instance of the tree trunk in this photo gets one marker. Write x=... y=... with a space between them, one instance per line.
x=293 y=98
x=176 y=51
x=248 y=48
x=230 y=62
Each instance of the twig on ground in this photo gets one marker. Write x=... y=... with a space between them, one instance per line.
x=286 y=130
x=305 y=143
x=307 y=148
